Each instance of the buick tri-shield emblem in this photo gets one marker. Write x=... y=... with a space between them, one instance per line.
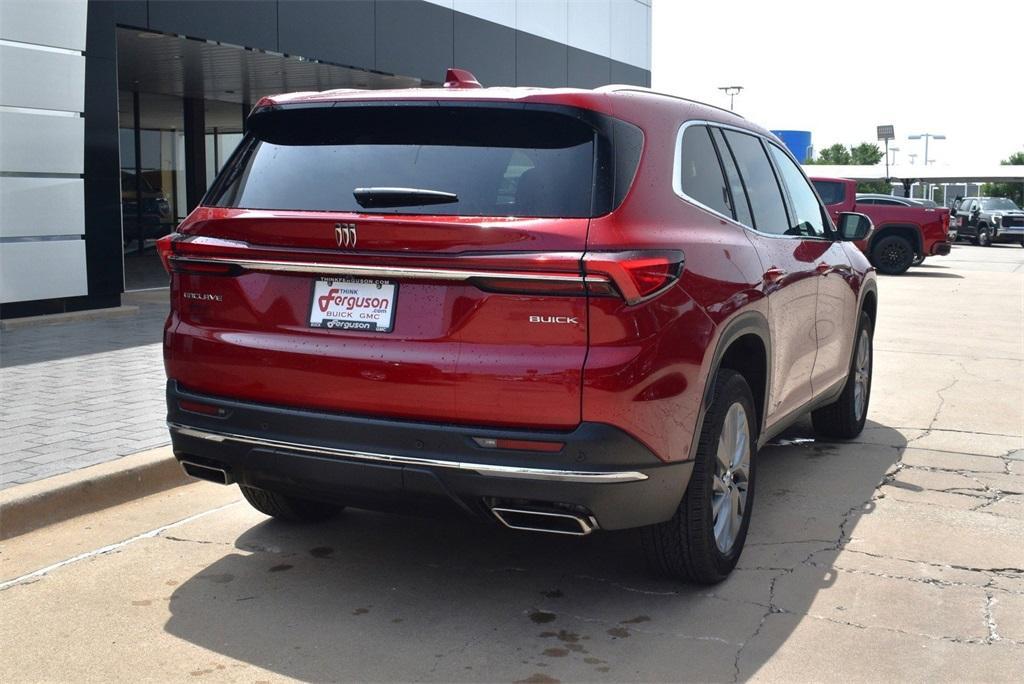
x=345 y=234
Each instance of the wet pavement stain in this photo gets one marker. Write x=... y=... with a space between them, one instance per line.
x=538 y=678
x=171 y=583
x=637 y=620
x=141 y=603
x=281 y=568
x=223 y=578
x=321 y=552
x=360 y=611
x=556 y=652
x=397 y=620
x=618 y=632
x=603 y=668
x=553 y=594
x=541 y=617
x=562 y=635
x=593 y=661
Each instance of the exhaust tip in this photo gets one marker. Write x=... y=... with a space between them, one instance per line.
x=205 y=472
x=545 y=521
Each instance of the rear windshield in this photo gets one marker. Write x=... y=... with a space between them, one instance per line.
x=484 y=161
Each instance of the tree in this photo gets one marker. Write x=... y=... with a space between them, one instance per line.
x=866 y=154
x=1014 y=191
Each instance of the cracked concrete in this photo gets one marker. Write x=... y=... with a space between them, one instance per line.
x=897 y=556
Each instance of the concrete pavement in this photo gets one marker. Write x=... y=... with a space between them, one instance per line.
x=899 y=556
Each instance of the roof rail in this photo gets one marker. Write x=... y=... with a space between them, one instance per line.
x=621 y=87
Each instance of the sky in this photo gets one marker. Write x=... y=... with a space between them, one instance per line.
x=839 y=69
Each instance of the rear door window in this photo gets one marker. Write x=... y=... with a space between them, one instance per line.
x=495 y=162
x=732 y=175
x=699 y=175
x=763 y=189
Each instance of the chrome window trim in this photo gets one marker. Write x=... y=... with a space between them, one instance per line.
x=485 y=469
x=318 y=268
x=677 y=180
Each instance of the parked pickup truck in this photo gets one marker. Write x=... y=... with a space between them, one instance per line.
x=902 y=235
x=985 y=220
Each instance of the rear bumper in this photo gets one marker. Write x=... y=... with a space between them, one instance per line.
x=940 y=249
x=601 y=473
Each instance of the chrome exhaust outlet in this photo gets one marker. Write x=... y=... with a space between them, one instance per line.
x=208 y=473
x=545 y=521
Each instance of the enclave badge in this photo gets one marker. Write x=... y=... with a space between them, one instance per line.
x=345 y=234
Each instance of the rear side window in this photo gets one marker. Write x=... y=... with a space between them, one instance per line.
x=759 y=178
x=830 y=191
x=699 y=173
x=481 y=161
x=808 y=219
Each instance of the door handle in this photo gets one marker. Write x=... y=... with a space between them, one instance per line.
x=774 y=275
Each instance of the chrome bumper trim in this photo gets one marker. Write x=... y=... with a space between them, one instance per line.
x=486 y=469
x=317 y=268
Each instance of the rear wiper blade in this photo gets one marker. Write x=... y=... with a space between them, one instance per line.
x=369 y=198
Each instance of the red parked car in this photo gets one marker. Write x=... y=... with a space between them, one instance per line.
x=562 y=310
x=905 y=233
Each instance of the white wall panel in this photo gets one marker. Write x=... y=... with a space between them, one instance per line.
x=631 y=33
x=55 y=23
x=44 y=269
x=545 y=18
x=41 y=79
x=32 y=207
x=590 y=25
x=41 y=143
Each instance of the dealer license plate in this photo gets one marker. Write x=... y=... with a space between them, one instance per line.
x=364 y=304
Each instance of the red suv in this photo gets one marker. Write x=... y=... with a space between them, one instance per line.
x=563 y=310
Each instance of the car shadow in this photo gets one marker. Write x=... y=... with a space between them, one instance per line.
x=377 y=597
x=929 y=274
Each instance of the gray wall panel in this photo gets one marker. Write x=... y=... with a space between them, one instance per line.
x=587 y=70
x=41 y=143
x=56 y=23
x=250 y=23
x=41 y=206
x=335 y=32
x=487 y=49
x=24 y=70
x=540 y=62
x=414 y=39
x=627 y=73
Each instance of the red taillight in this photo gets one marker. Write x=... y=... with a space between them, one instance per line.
x=637 y=275
x=164 y=249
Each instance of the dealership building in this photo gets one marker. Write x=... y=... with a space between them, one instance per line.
x=115 y=116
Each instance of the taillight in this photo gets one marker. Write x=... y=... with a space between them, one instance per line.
x=164 y=249
x=638 y=275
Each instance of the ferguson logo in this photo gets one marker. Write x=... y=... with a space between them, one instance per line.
x=345 y=234
x=204 y=296
x=571 y=320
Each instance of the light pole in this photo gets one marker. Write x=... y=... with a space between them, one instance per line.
x=927 y=137
x=913 y=157
x=732 y=92
x=894 y=150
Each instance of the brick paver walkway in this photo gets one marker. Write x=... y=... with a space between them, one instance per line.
x=76 y=394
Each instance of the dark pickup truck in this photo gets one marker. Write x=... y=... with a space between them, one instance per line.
x=903 y=235
x=984 y=220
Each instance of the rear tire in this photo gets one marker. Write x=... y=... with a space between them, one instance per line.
x=845 y=418
x=702 y=542
x=892 y=255
x=288 y=508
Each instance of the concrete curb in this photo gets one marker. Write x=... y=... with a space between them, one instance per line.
x=122 y=311
x=30 y=506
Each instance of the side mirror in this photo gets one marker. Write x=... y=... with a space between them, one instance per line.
x=853 y=226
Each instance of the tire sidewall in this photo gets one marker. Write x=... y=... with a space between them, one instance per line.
x=731 y=389
x=879 y=252
x=864 y=325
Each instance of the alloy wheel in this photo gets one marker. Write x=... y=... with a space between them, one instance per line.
x=731 y=478
x=862 y=374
